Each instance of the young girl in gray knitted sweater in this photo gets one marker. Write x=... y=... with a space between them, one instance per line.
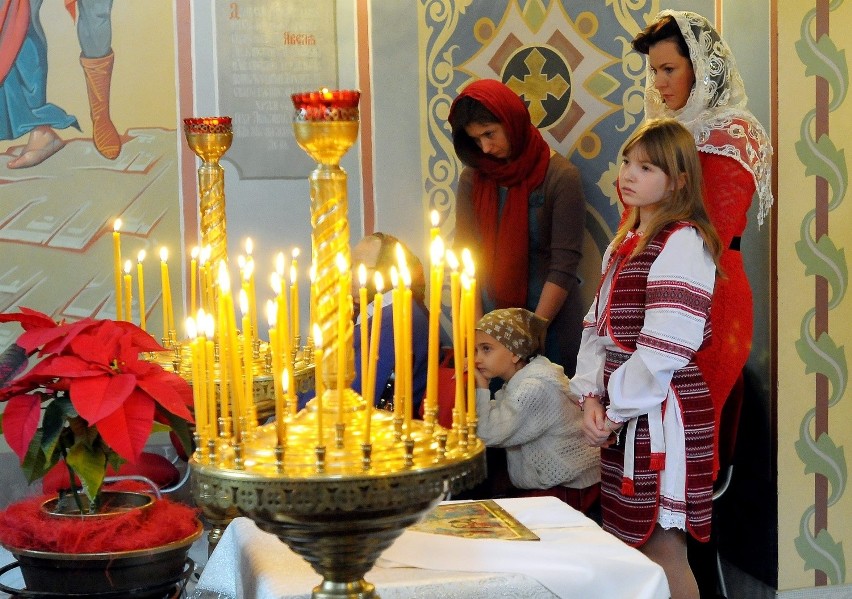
x=531 y=416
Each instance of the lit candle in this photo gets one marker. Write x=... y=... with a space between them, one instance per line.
x=224 y=359
x=248 y=362
x=283 y=326
x=193 y=279
x=458 y=348
x=168 y=314
x=234 y=367
x=407 y=359
x=319 y=356
x=277 y=368
x=342 y=323
x=252 y=295
x=396 y=303
x=128 y=291
x=116 y=267
x=210 y=361
x=294 y=295
x=312 y=295
x=470 y=324
x=436 y=283
x=140 y=280
x=369 y=387
x=197 y=394
x=435 y=230
x=362 y=314
x=280 y=425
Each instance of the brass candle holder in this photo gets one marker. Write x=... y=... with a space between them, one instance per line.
x=210 y=138
x=347 y=479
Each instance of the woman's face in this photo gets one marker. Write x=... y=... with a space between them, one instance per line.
x=673 y=73
x=491 y=139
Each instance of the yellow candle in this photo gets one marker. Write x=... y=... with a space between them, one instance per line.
x=319 y=356
x=128 y=291
x=408 y=389
x=140 y=280
x=197 y=396
x=342 y=323
x=277 y=368
x=458 y=348
x=435 y=230
x=280 y=426
x=312 y=294
x=168 y=314
x=252 y=295
x=234 y=367
x=396 y=304
x=470 y=290
x=283 y=326
x=294 y=295
x=193 y=282
x=369 y=387
x=224 y=357
x=207 y=295
x=116 y=268
x=362 y=314
x=436 y=282
x=248 y=361
x=210 y=362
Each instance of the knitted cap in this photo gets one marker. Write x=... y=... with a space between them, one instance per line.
x=515 y=328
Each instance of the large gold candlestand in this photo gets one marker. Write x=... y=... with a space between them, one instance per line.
x=337 y=481
x=210 y=138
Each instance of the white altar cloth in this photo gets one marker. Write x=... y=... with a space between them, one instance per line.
x=573 y=559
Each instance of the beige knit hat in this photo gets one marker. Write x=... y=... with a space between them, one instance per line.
x=517 y=329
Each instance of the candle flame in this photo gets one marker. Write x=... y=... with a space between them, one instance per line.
x=241 y=261
x=394 y=277
x=452 y=260
x=467 y=260
x=275 y=281
x=191 y=328
x=434 y=215
x=164 y=254
x=244 y=303
x=406 y=277
x=400 y=256
x=224 y=279
x=116 y=226
x=195 y=252
x=465 y=281
x=279 y=264
x=312 y=273
x=127 y=266
x=362 y=274
x=249 y=245
x=248 y=270
x=206 y=252
x=379 y=282
x=293 y=273
x=285 y=380
x=200 y=319
x=140 y=256
x=341 y=263
x=317 y=336
x=295 y=253
x=271 y=313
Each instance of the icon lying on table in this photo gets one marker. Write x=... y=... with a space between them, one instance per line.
x=475 y=520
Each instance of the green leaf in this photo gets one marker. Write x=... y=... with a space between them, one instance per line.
x=33 y=465
x=90 y=466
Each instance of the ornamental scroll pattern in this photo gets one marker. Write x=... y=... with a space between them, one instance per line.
x=826 y=261
x=575 y=69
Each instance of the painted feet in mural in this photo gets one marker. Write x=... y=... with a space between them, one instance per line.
x=42 y=144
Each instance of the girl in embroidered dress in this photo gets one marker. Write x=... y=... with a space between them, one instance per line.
x=692 y=76
x=645 y=402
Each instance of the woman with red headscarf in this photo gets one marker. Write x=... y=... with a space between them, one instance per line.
x=514 y=193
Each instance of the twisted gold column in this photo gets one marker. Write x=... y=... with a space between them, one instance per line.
x=326 y=126
x=210 y=138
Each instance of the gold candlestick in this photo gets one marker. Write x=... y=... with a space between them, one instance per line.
x=210 y=138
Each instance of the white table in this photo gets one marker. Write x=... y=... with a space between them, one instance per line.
x=574 y=558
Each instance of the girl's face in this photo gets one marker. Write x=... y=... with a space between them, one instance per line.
x=673 y=73
x=642 y=184
x=491 y=139
x=493 y=359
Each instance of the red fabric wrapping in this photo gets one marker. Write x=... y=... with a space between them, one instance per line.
x=24 y=525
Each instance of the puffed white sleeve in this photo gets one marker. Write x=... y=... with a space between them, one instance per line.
x=677 y=305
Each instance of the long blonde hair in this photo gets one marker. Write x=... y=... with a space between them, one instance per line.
x=669 y=146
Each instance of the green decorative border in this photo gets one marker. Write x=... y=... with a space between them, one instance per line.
x=826 y=262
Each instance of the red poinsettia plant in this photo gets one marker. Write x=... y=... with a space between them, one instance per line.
x=91 y=399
